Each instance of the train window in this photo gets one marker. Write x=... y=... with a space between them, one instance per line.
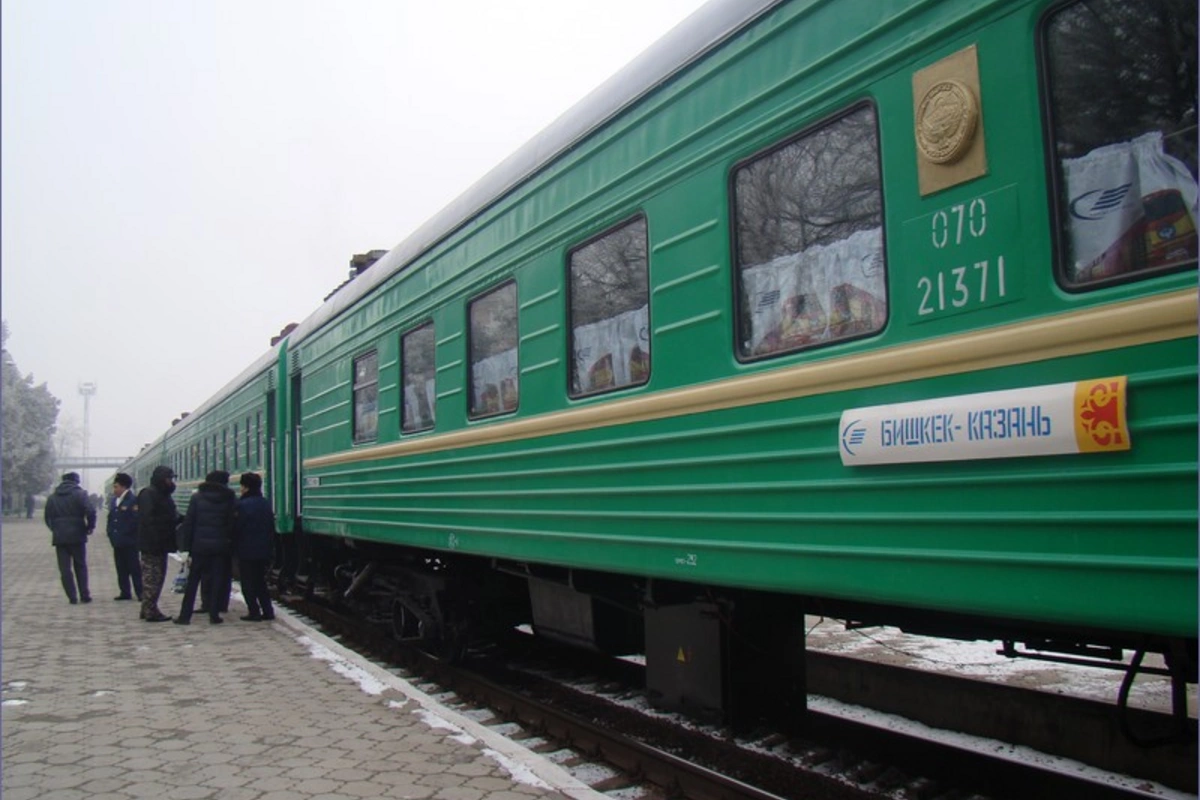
x=809 y=239
x=1122 y=110
x=258 y=459
x=493 y=348
x=235 y=445
x=610 y=311
x=366 y=397
x=418 y=379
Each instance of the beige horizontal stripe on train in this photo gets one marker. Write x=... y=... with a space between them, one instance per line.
x=1135 y=322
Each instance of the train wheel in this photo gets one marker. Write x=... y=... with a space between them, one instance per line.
x=406 y=625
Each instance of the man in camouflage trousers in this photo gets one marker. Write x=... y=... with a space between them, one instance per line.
x=157 y=519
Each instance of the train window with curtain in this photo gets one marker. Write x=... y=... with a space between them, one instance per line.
x=1121 y=78
x=610 y=311
x=808 y=227
x=366 y=397
x=418 y=373
x=493 y=348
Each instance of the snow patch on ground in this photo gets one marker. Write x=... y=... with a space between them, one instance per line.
x=980 y=659
x=367 y=682
x=520 y=772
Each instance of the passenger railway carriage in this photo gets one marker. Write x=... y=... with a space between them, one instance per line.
x=885 y=310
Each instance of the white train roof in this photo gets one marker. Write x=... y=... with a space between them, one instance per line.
x=681 y=46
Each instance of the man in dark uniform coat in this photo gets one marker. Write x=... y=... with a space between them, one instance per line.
x=71 y=519
x=122 y=533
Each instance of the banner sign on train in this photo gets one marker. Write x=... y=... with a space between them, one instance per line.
x=1081 y=417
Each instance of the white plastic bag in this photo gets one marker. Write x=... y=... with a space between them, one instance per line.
x=181 y=578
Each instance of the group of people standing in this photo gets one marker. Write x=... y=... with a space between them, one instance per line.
x=145 y=529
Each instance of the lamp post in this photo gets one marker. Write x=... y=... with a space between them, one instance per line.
x=87 y=390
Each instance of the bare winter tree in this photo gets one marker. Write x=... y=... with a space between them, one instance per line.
x=818 y=189
x=1119 y=69
x=609 y=276
x=29 y=416
x=494 y=323
x=68 y=436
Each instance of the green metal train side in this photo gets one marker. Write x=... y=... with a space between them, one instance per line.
x=755 y=495
x=752 y=493
x=231 y=433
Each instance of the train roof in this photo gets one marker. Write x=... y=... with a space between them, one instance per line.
x=260 y=364
x=704 y=29
x=707 y=27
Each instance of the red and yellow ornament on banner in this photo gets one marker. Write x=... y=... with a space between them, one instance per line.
x=1100 y=415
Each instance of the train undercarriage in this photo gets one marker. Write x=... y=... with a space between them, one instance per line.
x=735 y=657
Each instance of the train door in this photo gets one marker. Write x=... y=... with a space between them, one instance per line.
x=301 y=560
x=270 y=465
x=295 y=467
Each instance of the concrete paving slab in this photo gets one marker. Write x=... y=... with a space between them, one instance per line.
x=100 y=705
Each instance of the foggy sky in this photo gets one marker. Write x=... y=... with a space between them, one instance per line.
x=183 y=178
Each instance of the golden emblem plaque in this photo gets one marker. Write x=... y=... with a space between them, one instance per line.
x=948 y=122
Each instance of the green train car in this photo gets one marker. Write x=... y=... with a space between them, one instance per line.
x=881 y=309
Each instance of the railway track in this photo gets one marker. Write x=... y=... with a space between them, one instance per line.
x=578 y=710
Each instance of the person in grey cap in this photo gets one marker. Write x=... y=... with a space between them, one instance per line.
x=71 y=519
x=157 y=519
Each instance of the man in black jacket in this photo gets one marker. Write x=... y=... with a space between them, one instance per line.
x=71 y=519
x=208 y=539
x=254 y=535
x=157 y=519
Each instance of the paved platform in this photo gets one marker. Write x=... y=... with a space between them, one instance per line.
x=100 y=705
